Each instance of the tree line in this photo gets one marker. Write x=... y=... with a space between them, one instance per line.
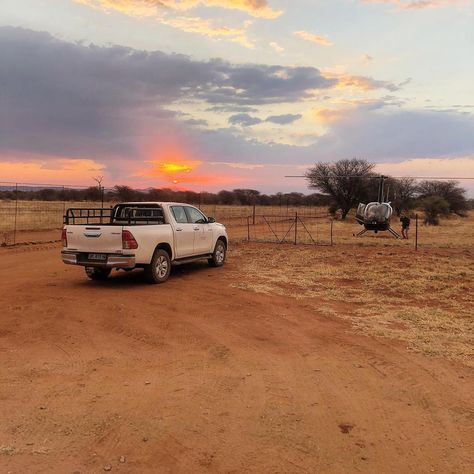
x=121 y=193
x=349 y=182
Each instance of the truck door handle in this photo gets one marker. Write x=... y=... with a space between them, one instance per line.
x=197 y=228
x=179 y=230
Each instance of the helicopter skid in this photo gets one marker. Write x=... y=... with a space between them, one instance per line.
x=389 y=229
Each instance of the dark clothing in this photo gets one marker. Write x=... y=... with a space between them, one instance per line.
x=405 y=222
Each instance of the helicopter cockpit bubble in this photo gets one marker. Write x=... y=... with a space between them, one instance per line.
x=361 y=210
x=378 y=212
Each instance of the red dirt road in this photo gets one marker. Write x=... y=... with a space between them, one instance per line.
x=198 y=376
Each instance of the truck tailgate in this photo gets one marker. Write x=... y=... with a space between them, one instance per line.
x=94 y=238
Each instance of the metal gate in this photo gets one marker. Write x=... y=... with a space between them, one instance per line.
x=295 y=229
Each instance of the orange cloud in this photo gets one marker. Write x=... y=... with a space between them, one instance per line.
x=327 y=115
x=361 y=83
x=256 y=8
x=160 y=9
x=50 y=170
x=208 y=28
x=277 y=47
x=313 y=38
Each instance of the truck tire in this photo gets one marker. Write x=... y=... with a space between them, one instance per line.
x=99 y=274
x=219 y=254
x=159 y=269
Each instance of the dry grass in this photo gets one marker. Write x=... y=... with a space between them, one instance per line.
x=381 y=285
x=35 y=215
x=47 y=215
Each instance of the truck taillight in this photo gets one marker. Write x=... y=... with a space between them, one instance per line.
x=128 y=241
x=64 y=238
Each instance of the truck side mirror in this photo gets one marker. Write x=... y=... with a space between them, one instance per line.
x=211 y=220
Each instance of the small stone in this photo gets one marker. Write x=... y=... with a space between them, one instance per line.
x=122 y=459
x=107 y=467
x=145 y=439
x=147 y=383
x=42 y=407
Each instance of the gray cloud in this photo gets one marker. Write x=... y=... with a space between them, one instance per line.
x=245 y=120
x=231 y=109
x=283 y=119
x=60 y=97
x=197 y=122
x=401 y=134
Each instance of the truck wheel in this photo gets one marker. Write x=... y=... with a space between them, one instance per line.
x=95 y=273
x=219 y=254
x=160 y=267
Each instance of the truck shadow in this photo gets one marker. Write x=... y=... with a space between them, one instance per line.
x=136 y=277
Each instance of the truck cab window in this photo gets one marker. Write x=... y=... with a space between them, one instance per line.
x=179 y=214
x=195 y=216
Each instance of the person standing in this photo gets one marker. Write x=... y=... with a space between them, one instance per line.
x=405 y=221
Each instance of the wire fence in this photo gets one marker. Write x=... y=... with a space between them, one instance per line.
x=32 y=212
x=299 y=228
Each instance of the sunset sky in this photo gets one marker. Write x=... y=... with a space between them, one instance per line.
x=224 y=94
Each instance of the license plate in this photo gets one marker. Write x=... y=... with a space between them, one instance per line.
x=97 y=256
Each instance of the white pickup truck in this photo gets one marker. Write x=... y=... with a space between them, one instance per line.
x=149 y=235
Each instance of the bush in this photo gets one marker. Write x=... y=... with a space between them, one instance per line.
x=434 y=207
x=450 y=191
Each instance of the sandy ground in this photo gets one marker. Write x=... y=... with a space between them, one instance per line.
x=197 y=375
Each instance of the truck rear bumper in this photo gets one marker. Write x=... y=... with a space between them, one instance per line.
x=113 y=260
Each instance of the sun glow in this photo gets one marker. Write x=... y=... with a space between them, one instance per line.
x=171 y=168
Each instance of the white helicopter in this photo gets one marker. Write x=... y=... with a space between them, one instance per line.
x=375 y=216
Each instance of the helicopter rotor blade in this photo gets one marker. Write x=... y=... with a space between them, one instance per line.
x=388 y=177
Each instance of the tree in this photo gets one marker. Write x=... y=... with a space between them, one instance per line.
x=246 y=197
x=450 y=191
x=92 y=193
x=404 y=193
x=344 y=182
x=434 y=207
x=124 y=193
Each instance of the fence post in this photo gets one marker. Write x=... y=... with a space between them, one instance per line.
x=416 y=232
x=332 y=223
x=248 y=228
x=16 y=213
x=296 y=227
x=253 y=215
